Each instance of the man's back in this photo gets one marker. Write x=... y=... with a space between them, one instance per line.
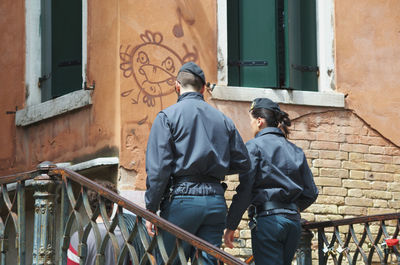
x=191 y=147
x=201 y=136
x=191 y=139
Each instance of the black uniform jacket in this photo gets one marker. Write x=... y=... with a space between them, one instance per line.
x=191 y=139
x=278 y=172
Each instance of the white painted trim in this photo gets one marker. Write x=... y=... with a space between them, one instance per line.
x=326 y=47
x=222 y=43
x=97 y=162
x=33 y=51
x=84 y=40
x=323 y=99
x=53 y=107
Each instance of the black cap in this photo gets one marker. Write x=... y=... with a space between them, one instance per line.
x=193 y=68
x=264 y=103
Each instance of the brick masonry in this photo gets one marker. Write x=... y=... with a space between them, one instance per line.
x=356 y=170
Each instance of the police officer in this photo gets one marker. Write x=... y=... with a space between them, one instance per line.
x=279 y=185
x=191 y=147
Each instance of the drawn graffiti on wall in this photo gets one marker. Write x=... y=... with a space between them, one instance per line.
x=154 y=67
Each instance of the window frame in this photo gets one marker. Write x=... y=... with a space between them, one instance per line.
x=326 y=95
x=35 y=110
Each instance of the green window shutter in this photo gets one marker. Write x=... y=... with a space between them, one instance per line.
x=301 y=52
x=252 y=37
x=45 y=30
x=233 y=42
x=66 y=47
x=61 y=47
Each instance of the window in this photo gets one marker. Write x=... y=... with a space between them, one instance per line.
x=55 y=67
x=272 y=44
x=61 y=27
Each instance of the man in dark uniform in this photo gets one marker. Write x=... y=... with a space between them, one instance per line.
x=191 y=147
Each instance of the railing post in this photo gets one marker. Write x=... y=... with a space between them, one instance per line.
x=44 y=221
x=303 y=253
x=63 y=221
x=21 y=238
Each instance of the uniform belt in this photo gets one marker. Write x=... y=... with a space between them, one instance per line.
x=274 y=205
x=196 y=179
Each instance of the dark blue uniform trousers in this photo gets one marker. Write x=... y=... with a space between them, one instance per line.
x=204 y=216
x=275 y=240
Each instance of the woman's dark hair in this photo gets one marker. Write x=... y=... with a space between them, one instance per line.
x=274 y=119
x=93 y=196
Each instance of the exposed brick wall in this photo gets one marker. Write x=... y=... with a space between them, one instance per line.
x=356 y=170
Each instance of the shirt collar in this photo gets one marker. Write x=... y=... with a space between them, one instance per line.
x=272 y=130
x=192 y=95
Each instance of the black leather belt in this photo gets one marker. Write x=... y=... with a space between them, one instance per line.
x=196 y=179
x=274 y=207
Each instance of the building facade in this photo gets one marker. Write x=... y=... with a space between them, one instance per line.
x=83 y=80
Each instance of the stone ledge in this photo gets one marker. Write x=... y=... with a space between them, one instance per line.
x=296 y=97
x=54 y=107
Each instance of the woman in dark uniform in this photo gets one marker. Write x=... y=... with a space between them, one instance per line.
x=279 y=185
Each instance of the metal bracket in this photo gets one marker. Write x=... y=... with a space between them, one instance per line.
x=70 y=63
x=210 y=87
x=248 y=63
x=42 y=79
x=91 y=87
x=306 y=68
x=11 y=111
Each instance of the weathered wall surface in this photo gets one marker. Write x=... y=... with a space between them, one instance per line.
x=135 y=49
x=79 y=135
x=367 y=64
x=12 y=45
x=157 y=38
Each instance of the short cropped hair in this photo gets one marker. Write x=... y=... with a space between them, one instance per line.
x=94 y=199
x=186 y=78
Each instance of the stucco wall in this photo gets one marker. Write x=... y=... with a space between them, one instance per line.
x=367 y=35
x=156 y=39
x=12 y=63
x=136 y=47
x=76 y=136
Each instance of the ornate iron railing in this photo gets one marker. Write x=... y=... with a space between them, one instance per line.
x=62 y=194
x=342 y=242
x=361 y=240
x=34 y=237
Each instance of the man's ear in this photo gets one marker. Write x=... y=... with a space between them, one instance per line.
x=260 y=122
x=177 y=88
x=202 y=89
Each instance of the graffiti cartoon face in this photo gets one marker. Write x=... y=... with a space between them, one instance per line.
x=154 y=67
x=155 y=71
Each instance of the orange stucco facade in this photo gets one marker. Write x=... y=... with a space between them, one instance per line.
x=367 y=61
x=123 y=36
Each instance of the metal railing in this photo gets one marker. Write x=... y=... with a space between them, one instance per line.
x=62 y=194
x=41 y=210
x=360 y=240
x=340 y=241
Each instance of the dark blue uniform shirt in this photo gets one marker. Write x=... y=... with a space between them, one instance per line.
x=278 y=172
x=191 y=139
